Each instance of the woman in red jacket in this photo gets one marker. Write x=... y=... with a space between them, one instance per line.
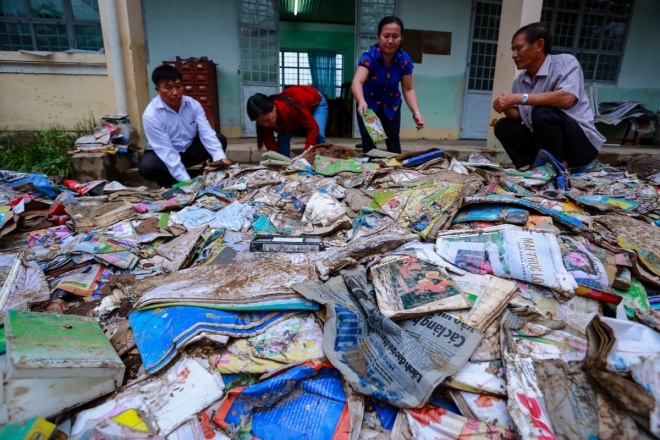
x=293 y=108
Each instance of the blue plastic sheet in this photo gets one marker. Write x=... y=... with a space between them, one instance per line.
x=420 y=159
x=35 y=184
x=387 y=414
x=305 y=402
x=562 y=182
x=160 y=333
x=446 y=404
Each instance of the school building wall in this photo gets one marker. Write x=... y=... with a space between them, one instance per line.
x=66 y=88
x=202 y=28
x=639 y=78
x=440 y=79
x=43 y=91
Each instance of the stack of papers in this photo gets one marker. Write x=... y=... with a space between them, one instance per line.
x=161 y=333
x=234 y=281
x=55 y=362
x=612 y=113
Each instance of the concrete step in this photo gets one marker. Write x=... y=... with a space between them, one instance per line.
x=96 y=166
x=131 y=177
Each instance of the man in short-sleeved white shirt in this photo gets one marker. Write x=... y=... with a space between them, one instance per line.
x=178 y=132
x=548 y=107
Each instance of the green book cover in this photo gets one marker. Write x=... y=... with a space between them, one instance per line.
x=50 y=345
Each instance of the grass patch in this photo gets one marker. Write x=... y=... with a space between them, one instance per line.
x=85 y=126
x=45 y=154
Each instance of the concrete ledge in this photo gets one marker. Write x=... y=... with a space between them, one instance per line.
x=87 y=167
x=239 y=156
x=245 y=151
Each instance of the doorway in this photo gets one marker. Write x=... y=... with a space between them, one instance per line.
x=317 y=41
x=293 y=42
x=368 y=15
x=480 y=68
x=258 y=34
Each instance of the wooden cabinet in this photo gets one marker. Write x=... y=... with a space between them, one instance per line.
x=200 y=82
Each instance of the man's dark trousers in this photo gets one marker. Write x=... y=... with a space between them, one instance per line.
x=153 y=168
x=554 y=131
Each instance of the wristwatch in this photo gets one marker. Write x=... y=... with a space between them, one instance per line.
x=524 y=99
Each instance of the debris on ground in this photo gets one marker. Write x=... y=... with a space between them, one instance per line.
x=334 y=296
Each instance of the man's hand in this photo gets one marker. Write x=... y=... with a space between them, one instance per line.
x=506 y=101
x=212 y=166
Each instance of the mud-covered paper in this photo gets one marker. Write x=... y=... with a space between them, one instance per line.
x=407 y=286
x=375 y=355
x=509 y=252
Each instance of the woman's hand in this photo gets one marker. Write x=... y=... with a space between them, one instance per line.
x=419 y=120
x=356 y=87
x=362 y=107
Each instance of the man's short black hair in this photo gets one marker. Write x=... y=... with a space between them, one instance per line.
x=165 y=73
x=534 y=32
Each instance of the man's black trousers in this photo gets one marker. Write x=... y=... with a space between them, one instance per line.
x=152 y=168
x=554 y=131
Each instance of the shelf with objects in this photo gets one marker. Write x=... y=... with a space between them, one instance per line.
x=200 y=82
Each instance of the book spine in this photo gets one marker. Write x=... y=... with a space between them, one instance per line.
x=417 y=160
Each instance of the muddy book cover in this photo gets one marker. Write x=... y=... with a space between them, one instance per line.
x=406 y=285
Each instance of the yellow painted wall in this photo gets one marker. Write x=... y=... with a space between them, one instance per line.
x=34 y=101
x=40 y=89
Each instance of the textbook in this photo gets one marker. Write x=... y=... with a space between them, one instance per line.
x=54 y=362
x=88 y=218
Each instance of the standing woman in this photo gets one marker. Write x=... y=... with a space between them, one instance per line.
x=293 y=108
x=376 y=84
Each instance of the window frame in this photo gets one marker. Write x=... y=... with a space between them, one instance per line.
x=339 y=71
x=68 y=21
x=481 y=68
x=601 y=55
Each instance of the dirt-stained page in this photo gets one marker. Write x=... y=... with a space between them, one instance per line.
x=375 y=355
x=508 y=252
x=407 y=286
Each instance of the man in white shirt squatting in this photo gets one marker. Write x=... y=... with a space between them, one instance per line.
x=178 y=132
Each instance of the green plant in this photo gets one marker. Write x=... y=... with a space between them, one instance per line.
x=86 y=126
x=45 y=154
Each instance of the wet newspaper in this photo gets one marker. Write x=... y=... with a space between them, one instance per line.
x=378 y=357
x=508 y=251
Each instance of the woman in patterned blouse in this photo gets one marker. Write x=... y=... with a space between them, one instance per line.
x=376 y=84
